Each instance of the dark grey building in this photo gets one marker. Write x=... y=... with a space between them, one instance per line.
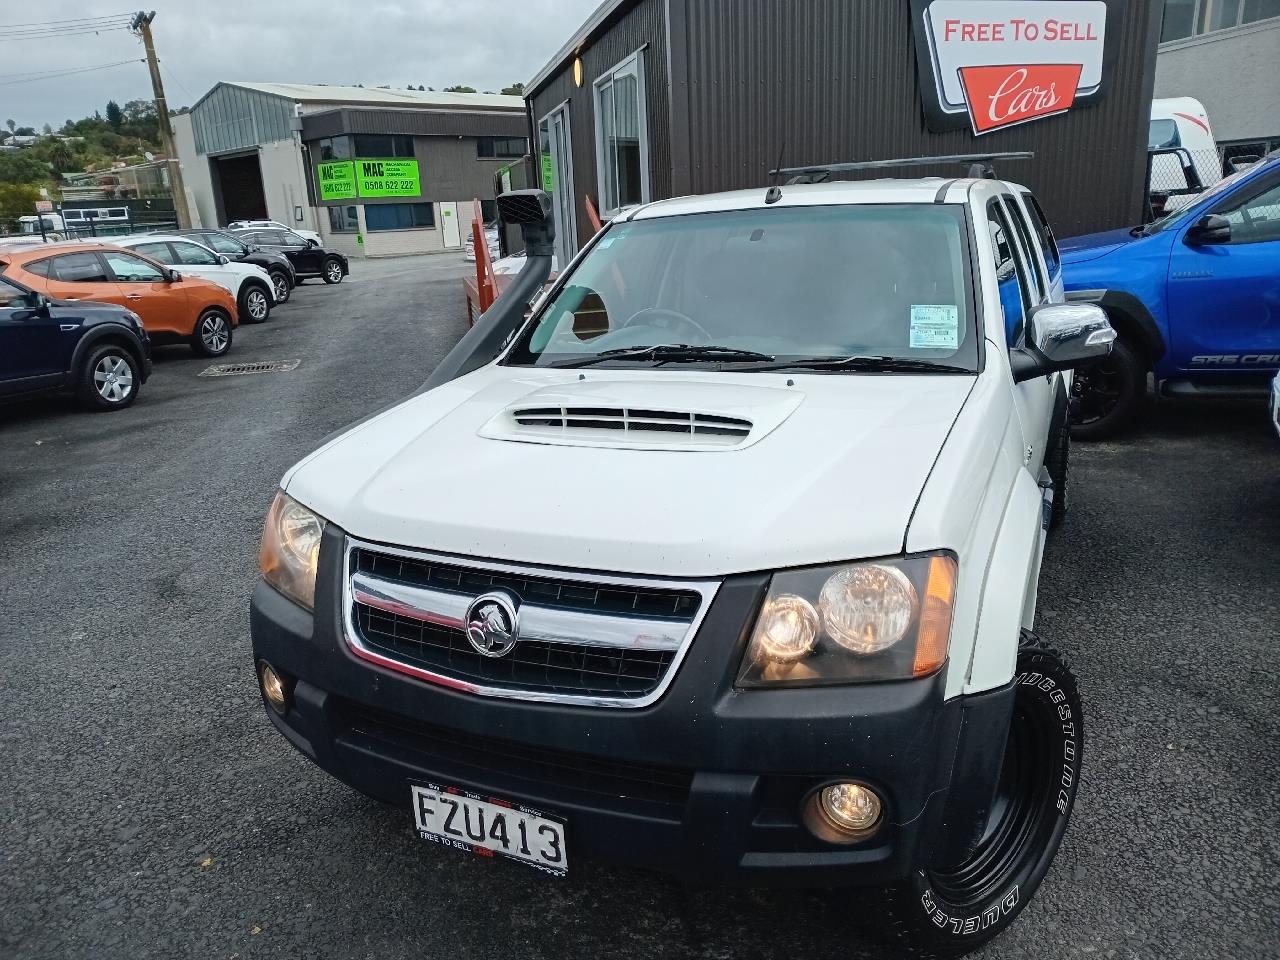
x=374 y=171
x=658 y=98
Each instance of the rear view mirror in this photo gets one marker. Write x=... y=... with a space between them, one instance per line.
x=1211 y=228
x=1062 y=336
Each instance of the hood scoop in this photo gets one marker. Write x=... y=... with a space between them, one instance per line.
x=645 y=415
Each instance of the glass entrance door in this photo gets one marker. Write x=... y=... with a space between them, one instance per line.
x=556 y=159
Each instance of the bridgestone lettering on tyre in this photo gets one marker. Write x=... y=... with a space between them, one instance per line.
x=949 y=910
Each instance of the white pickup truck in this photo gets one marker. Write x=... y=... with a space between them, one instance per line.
x=723 y=562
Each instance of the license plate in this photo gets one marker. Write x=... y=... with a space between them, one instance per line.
x=488 y=826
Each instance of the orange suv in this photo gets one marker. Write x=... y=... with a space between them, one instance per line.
x=172 y=307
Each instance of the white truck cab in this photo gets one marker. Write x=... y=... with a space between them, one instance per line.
x=723 y=562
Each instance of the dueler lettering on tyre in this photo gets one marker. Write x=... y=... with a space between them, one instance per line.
x=949 y=910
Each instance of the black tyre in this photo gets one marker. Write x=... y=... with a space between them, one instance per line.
x=254 y=303
x=109 y=378
x=332 y=271
x=948 y=911
x=280 y=282
x=1057 y=462
x=1105 y=395
x=212 y=335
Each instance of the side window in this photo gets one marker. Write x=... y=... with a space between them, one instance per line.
x=79 y=268
x=1033 y=277
x=156 y=251
x=11 y=297
x=222 y=244
x=1013 y=291
x=275 y=238
x=1048 y=243
x=194 y=254
x=1257 y=219
x=40 y=267
x=130 y=269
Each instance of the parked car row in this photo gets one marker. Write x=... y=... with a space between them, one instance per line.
x=84 y=315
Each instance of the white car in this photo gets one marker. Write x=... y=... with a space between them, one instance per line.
x=251 y=285
x=723 y=562
x=1275 y=402
x=256 y=224
x=491 y=240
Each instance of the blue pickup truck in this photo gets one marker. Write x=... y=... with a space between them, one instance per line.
x=1194 y=295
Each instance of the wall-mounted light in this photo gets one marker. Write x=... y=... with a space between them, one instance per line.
x=577 y=71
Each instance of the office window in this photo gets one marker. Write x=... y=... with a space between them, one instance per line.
x=334 y=148
x=399 y=216
x=382 y=145
x=622 y=137
x=1186 y=18
x=491 y=148
x=343 y=220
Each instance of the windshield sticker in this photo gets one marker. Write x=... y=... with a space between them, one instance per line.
x=935 y=326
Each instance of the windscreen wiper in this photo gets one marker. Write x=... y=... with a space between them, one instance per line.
x=872 y=364
x=672 y=353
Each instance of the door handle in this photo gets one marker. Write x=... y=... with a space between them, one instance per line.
x=133 y=296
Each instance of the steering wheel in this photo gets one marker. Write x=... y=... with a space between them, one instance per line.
x=665 y=318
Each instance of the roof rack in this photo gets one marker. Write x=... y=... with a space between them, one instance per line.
x=980 y=166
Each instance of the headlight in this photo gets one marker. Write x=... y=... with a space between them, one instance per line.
x=881 y=620
x=290 y=550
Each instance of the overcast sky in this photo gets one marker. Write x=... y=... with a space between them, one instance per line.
x=485 y=44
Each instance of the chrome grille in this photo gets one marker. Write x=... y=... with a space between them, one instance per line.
x=609 y=641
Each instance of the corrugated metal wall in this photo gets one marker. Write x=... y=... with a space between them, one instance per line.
x=836 y=80
x=233 y=118
x=643 y=25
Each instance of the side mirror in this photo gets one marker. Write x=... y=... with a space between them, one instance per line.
x=1062 y=336
x=312 y=243
x=173 y=276
x=33 y=305
x=1211 y=228
x=223 y=259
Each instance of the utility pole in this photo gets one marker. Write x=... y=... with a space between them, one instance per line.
x=141 y=26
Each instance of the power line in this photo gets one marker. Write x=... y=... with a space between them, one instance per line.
x=66 y=73
x=47 y=23
x=58 y=34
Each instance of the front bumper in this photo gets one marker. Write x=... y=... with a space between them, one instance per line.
x=707 y=783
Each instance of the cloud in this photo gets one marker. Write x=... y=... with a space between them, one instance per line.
x=485 y=44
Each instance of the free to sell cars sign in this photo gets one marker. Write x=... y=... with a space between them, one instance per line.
x=991 y=64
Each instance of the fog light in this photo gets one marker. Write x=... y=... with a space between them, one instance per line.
x=274 y=688
x=850 y=807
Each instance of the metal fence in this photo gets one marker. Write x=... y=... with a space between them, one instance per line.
x=1176 y=175
x=36 y=232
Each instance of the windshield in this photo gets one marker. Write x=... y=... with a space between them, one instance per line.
x=793 y=282
x=1174 y=217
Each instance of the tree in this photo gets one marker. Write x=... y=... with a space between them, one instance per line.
x=25 y=132
x=11 y=124
x=515 y=90
x=115 y=116
x=17 y=200
x=61 y=158
x=48 y=130
x=22 y=167
x=459 y=89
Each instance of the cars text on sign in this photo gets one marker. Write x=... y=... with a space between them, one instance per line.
x=997 y=63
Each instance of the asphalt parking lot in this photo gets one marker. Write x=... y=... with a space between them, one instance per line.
x=151 y=810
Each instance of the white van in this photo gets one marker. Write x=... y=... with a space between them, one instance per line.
x=1181 y=123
